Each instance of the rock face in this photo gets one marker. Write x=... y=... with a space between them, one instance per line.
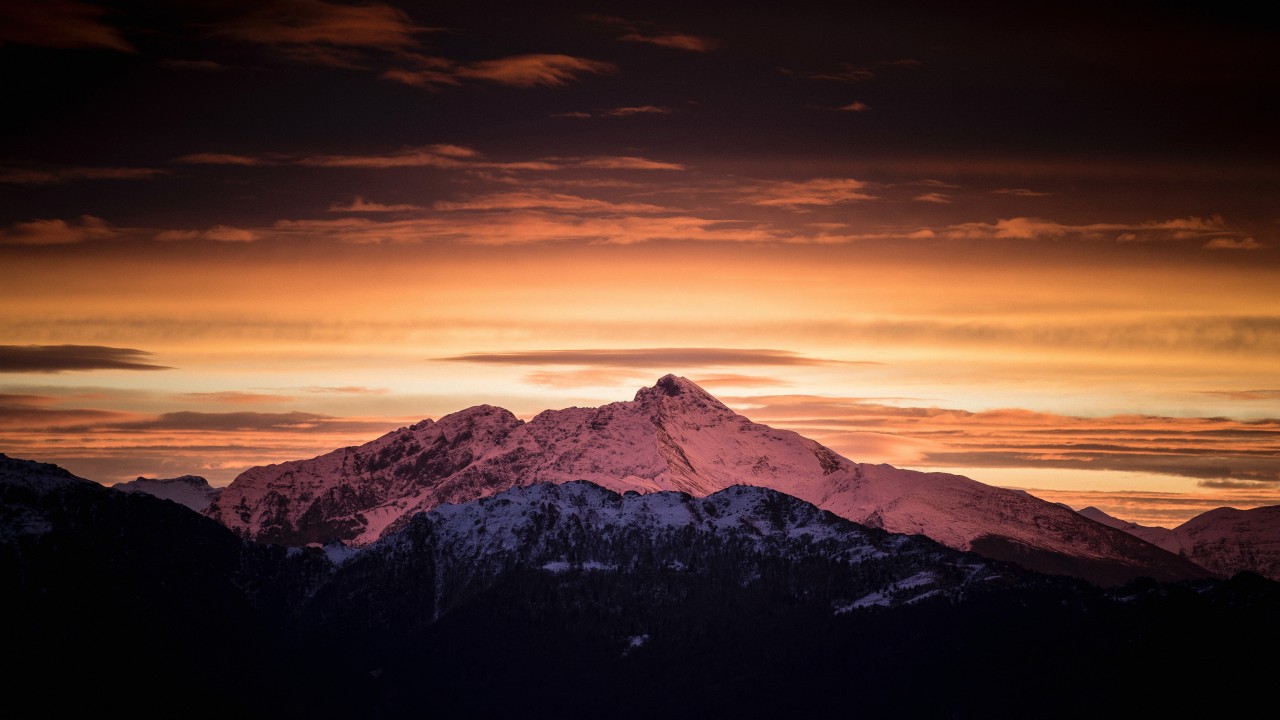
x=1226 y=541
x=672 y=436
x=190 y=490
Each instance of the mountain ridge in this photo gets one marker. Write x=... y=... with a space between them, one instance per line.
x=671 y=436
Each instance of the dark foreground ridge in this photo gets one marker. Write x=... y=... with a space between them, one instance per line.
x=574 y=601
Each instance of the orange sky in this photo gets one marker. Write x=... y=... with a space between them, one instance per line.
x=958 y=274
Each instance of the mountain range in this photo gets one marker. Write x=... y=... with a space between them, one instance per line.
x=574 y=600
x=672 y=436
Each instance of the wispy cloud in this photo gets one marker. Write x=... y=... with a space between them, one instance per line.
x=314 y=22
x=1244 y=394
x=1231 y=243
x=57 y=232
x=234 y=398
x=59 y=24
x=1024 y=228
x=818 y=191
x=53 y=176
x=643 y=357
x=1206 y=449
x=218 y=233
x=541 y=200
x=859 y=73
x=360 y=205
x=856 y=107
x=443 y=156
x=933 y=197
x=525 y=71
x=674 y=40
x=625 y=111
x=1022 y=192
x=65 y=358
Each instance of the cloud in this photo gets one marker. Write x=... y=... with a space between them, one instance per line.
x=818 y=191
x=643 y=357
x=541 y=200
x=218 y=233
x=525 y=71
x=1024 y=228
x=626 y=111
x=1224 y=243
x=28 y=176
x=933 y=197
x=1022 y=192
x=314 y=22
x=1244 y=394
x=524 y=227
x=235 y=398
x=59 y=24
x=61 y=358
x=57 y=232
x=1206 y=449
x=442 y=155
x=346 y=390
x=624 y=162
x=854 y=107
x=359 y=205
x=854 y=73
x=222 y=159
x=674 y=40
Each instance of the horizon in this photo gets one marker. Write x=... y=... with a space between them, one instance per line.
x=1035 y=248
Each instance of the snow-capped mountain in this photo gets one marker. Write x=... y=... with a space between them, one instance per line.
x=190 y=490
x=1225 y=541
x=672 y=436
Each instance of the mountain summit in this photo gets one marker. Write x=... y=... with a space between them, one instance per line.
x=672 y=436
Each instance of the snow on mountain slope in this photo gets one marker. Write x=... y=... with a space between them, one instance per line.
x=672 y=436
x=458 y=550
x=190 y=490
x=1225 y=541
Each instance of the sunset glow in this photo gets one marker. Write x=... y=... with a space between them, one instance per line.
x=235 y=234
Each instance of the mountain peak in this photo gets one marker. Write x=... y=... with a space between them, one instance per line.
x=674 y=386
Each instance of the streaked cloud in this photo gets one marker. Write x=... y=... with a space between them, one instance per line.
x=218 y=233
x=1022 y=192
x=1244 y=394
x=59 y=24
x=1231 y=243
x=933 y=197
x=540 y=200
x=1211 y=450
x=856 y=107
x=442 y=156
x=524 y=71
x=818 y=191
x=234 y=398
x=853 y=73
x=53 y=176
x=674 y=40
x=643 y=357
x=1025 y=228
x=57 y=232
x=314 y=22
x=360 y=205
x=625 y=111
x=65 y=358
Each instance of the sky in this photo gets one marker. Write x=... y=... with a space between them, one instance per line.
x=1035 y=244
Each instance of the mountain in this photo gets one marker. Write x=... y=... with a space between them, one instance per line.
x=574 y=601
x=190 y=490
x=124 y=600
x=672 y=436
x=1225 y=541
